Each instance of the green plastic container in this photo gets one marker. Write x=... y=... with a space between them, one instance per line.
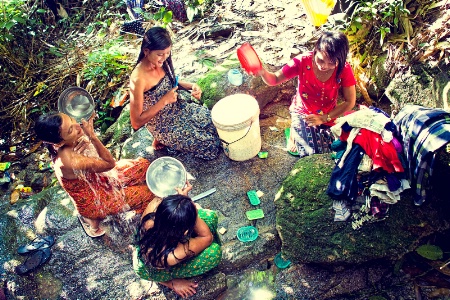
x=254 y=214
x=254 y=199
x=247 y=233
x=280 y=262
x=263 y=154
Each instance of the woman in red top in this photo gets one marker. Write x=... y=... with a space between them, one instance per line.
x=321 y=73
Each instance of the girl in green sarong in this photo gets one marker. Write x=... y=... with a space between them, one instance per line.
x=175 y=241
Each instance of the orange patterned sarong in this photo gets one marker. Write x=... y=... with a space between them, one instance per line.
x=97 y=195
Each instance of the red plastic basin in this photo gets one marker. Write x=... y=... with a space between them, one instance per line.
x=249 y=59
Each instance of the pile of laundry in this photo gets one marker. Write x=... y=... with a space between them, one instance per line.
x=370 y=171
x=378 y=158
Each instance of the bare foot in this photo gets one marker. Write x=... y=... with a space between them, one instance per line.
x=157 y=145
x=291 y=144
x=183 y=287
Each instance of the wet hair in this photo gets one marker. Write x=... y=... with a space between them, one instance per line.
x=174 y=222
x=48 y=129
x=335 y=45
x=158 y=38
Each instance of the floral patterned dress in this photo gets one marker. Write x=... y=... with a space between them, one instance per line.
x=182 y=126
x=97 y=195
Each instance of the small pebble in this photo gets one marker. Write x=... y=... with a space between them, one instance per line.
x=222 y=230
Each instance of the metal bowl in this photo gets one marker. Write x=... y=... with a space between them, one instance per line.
x=77 y=103
x=164 y=175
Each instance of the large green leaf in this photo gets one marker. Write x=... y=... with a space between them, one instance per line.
x=431 y=252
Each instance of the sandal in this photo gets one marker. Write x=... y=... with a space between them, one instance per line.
x=287 y=134
x=36 y=244
x=89 y=230
x=34 y=261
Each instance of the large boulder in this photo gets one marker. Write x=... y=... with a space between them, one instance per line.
x=309 y=234
x=379 y=77
x=422 y=86
x=215 y=86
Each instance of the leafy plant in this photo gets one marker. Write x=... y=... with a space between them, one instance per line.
x=106 y=62
x=193 y=8
x=196 y=7
x=163 y=15
x=379 y=17
x=104 y=119
x=14 y=14
x=431 y=252
x=105 y=67
x=209 y=62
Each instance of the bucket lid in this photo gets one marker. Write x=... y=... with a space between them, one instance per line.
x=234 y=110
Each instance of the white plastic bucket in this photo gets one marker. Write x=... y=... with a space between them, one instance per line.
x=236 y=118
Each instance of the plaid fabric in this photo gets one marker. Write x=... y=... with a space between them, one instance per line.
x=423 y=131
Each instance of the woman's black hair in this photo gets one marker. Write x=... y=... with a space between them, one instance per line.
x=158 y=38
x=335 y=45
x=174 y=222
x=48 y=130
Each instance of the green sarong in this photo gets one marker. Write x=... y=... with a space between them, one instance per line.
x=197 y=265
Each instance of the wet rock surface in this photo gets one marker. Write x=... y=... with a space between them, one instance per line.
x=85 y=268
x=309 y=234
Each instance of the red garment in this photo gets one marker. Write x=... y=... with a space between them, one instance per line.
x=101 y=194
x=382 y=153
x=314 y=96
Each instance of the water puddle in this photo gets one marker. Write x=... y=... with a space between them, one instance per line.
x=251 y=285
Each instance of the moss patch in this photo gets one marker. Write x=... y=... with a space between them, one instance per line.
x=309 y=233
x=214 y=83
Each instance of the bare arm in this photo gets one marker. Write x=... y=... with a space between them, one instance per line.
x=72 y=160
x=272 y=78
x=138 y=116
x=349 y=102
x=195 y=89
x=203 y=239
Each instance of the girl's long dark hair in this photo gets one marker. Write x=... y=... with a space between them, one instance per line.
x=335 y=45
x=174 y=222
x=48 y=130
x=158 y=38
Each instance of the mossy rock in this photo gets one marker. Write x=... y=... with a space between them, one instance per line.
x=212 y=85
x=305 y=221
x=121 y=130
x=215 y=85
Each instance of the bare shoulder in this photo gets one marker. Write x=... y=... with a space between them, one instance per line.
x=152 y=206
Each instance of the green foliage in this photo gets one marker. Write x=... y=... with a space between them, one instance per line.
x=106 y=66
x=378 y=18
x=209 y=62
x=106 y=62
x=18 y=19
x=431 y=252
x=163 y=16
x=196 y=8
